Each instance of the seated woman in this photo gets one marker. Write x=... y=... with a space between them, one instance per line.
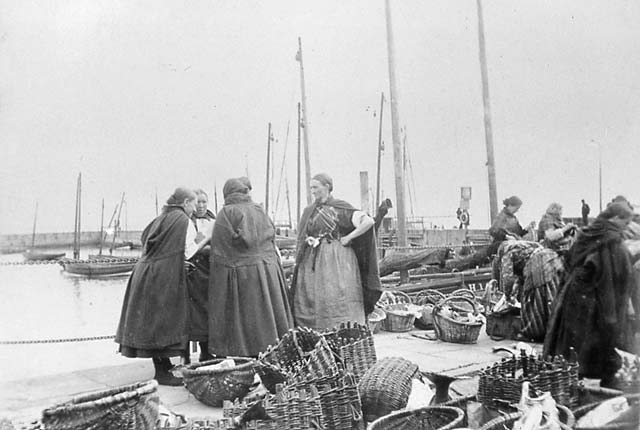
x=553 y=232
x=506 y=225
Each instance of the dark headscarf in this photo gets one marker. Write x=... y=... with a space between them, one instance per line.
x=246 y=182
x=235 y=191
x=325 y=180
x=178 y=197
x=512 y=201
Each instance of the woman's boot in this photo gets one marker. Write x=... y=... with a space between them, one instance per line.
x=205 y=355
x=163 y=374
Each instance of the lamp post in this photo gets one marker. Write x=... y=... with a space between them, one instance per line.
x=599 y=172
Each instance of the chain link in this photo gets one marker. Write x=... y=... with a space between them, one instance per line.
x=73 y=339
x=68 y=260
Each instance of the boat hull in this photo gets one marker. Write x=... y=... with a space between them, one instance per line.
x=98 y=268
x=42 y=256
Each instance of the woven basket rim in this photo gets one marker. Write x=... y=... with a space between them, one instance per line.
x=192 y=369
x=462 y=323
x=396 y=414
x=114 y=395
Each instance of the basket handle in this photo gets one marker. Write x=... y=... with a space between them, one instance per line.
x=438 y=306
x=392 y=297
x=463 y=292
x=429 y=296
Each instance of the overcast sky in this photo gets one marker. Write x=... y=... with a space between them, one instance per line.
x=148 y=95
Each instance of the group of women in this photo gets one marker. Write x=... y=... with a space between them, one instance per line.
x=598 y=290
x=232 y=296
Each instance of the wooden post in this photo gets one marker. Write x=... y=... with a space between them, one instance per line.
x=401 y=230
x=266 y=198
x=488 y=134
x=299 y=167
x=379 y=153
x=215 y=197
x=364 y=192
x=77 y=227
x=305 y=123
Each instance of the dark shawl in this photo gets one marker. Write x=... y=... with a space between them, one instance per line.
x=505 y=223
x=590 y=312
x=548 y=222
x=364 y=247
x=154 y=311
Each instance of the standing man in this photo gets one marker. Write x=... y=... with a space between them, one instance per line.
x=585 y=213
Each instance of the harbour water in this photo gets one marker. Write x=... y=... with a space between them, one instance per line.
x=41 y=302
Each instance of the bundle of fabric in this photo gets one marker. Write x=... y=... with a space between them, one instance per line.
x=509 y=263
x=543 y=274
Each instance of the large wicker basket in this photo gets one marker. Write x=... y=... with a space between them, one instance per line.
x=427 y=418
x=450 y=330
x=386 y=386
x=396 y=306
x=352 y=343
x=632 y=399
x=566 y=417
x=213 y=386
x=375 y=320
x=503 y=380
x=427 y=299
x=132 y=406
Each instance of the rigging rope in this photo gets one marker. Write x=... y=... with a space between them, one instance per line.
x=39 y=341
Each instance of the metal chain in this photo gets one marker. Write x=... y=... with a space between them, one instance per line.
x=97 y=260
x=73 y=339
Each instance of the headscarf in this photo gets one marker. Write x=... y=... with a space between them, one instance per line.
x=512 y=201
x=178 y=197
x=246 y=182
x=235 y=191
x=325 y=180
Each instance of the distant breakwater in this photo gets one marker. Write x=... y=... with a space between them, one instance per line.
x=12 y=243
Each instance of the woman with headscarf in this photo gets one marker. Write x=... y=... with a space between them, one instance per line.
x=154 y=318
x=336 y=276
x=552 y=230
x=506 y=225
x=248 y=298
x=590 y=311
x=198 y=279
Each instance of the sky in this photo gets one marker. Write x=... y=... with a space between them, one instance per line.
x=145 y=96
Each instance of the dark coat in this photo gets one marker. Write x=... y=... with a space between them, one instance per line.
x=155 y=308
x=590 y=312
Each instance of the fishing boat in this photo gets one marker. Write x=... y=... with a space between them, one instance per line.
x=33 y=255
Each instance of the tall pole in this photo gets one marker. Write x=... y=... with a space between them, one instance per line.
x=299 y=168
x=305 y=123
x=76 y=230
x=215 y=197
x=33 y=236
x=116 y=226
x=156 y=202
x=397 y=144
x=101 y=227
x=488 y=134
x=600 y=173
x=379 y=153
x=266 y=198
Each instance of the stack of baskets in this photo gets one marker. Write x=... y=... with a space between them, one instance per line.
x=449 y=329
x=132 y=406
x=397 y=307
x=213 y=386
x=503 y=380
x=352 y=343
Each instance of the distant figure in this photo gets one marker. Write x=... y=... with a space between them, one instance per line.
x=458 y=214
x=585 y=213
x=248 y=298
x=155 y=309
x=336 y=277
x=198 y=279
x=381 y=213
x=553 y=232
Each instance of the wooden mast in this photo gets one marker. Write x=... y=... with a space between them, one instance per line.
x=215 y=196
x=116 y=226
x=298 y=169
x=379 y=153
x=266 y=198
x=156 y=202
x=33 y=235
x=488 y=134
x=76 y=228
x=101 y=227
x=397 y=144
x=305 y=123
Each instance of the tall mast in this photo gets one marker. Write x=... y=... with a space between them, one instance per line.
x=215 y=196
x=101 y=227
x=116 y=226
x=488 y=135
x=156 y=202
x=397 y=144
x=379 y=153
x=76 y=228
x=305 y=123
x=266 y=198
x=33 y=236
x=298 y=169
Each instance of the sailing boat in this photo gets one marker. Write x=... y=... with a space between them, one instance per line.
x=33 y=255
x=102 y=266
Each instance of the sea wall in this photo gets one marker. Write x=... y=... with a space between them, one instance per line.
x=10 y=243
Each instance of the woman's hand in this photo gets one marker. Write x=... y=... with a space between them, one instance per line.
x=345 y=240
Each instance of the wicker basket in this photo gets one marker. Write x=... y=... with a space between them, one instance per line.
x=375 y=319
x=427 y=418
x=352 y=343
x=213 y=386
x=633 y=399
x=427 y=299
x=450 y=330
x=386 y=387
x=566 y=417
x=132 y=406
x=503 y=380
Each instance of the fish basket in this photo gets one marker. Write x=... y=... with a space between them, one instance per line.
x=567 y=420
x=503 y=380
x=450 y=330
x=427 y=299
x=386 y=386
x=289 y=409
x=634 y=423
x=128 y=406
x=352 y=344
x=375 y=319
x=214 y=385
x=339 y=398
x=426 y=418
x=396 y=305
x=278 y=362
